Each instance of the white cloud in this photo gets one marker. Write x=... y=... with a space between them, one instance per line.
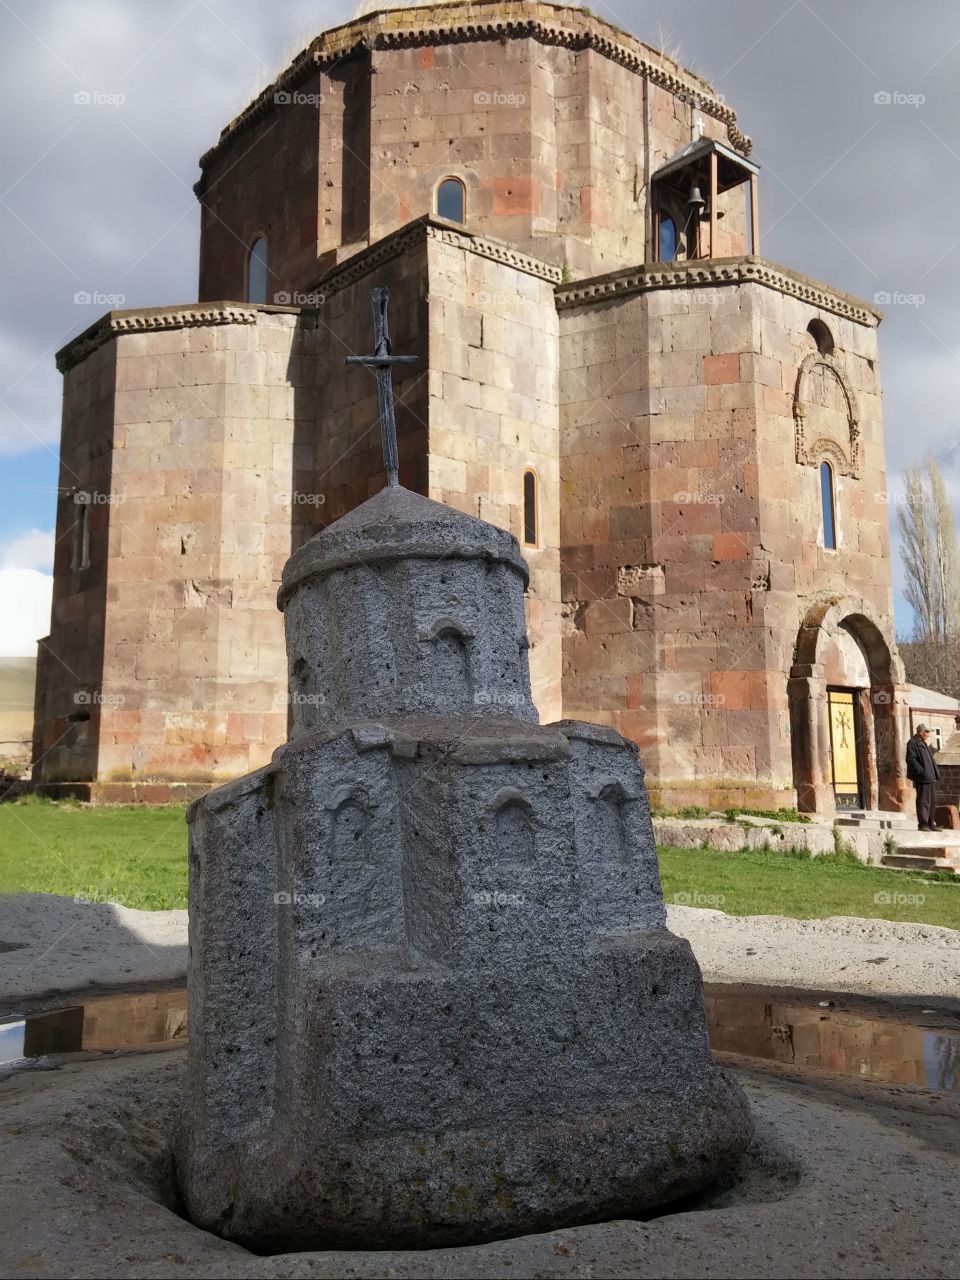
x=30 y=550
x=25 y=615
x=25 y=592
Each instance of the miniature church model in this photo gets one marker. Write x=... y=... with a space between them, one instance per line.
x=432 y=995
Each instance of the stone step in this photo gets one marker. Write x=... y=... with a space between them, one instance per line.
x=891 y=817
x=889 y=822
x=917 y=861
x=946 y=853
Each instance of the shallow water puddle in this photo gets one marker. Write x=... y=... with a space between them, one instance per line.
x=100 y=1023
x=807 y=1032
x=801 y=1031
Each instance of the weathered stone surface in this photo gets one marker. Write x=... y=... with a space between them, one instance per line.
x=433 y=998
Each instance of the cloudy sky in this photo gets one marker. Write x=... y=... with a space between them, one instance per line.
x=96 y=199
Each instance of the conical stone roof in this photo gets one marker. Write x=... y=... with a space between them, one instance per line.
x=397 y=523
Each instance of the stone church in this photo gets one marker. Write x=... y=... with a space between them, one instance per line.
x=686 y=438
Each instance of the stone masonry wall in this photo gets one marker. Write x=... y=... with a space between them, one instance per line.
x=271 y=189
x=70 y=661
x=339 y=459
x=192 y=681
x=690 y=532
x=493 y=414
x=554 y=140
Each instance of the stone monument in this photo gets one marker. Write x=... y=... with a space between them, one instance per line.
x=433 y=999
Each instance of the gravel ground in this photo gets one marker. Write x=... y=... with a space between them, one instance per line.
x=841 y=953
x=63 y=945
x=843 y=1180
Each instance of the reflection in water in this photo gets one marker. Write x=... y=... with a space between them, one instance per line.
x=793 y=1031
x=806 y=1035
x=100 y=1023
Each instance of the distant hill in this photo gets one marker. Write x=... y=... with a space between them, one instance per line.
x=17 y=676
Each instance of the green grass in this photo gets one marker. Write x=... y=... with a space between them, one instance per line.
x=794 y=884
x=137 y=855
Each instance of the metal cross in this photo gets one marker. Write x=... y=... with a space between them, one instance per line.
x=382 y=363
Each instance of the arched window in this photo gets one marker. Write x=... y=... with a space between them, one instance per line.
x=822 y=336
x=257 y=272
x=667 y=249
x=531 y=516
x=828 y=505
x=452 y=200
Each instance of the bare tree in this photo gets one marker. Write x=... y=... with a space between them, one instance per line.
x=947 y=555
x=930 y=555
x=932 y=664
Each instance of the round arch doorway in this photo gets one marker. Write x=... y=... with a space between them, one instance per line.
x=846 y=696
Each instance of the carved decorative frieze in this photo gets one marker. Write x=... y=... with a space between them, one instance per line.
x=811 y=449
x=717 y=271
x=119 y=322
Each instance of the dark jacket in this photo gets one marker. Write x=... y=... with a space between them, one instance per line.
x=921 y=766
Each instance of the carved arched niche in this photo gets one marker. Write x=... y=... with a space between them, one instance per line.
x=349 y=808
x=826 y=414
x=448 y=646
x=612 y=817
x=514 y=827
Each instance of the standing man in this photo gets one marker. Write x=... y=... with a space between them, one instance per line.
x=923 y=772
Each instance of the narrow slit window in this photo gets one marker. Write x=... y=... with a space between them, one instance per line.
x=530 y=513
x=829 y=506
x=80 y=558
x=257 y=272
x=452 y=200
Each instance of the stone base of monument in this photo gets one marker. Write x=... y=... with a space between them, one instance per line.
x=88 y=1188
x=446 y=1110
x=429 y=1007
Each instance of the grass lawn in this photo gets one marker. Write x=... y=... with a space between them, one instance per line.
x=137 y=856
x=753 y=883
